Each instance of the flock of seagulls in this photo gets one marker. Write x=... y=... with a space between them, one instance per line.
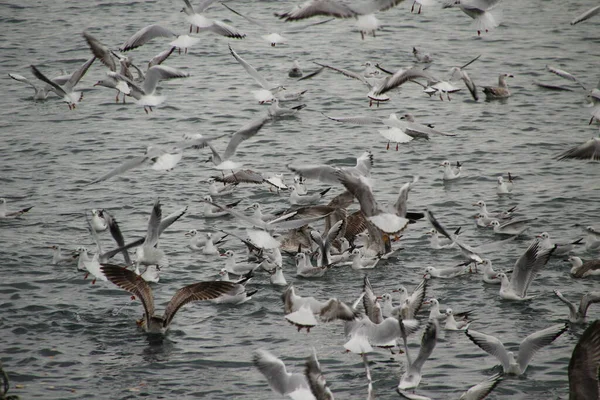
x=320 y=230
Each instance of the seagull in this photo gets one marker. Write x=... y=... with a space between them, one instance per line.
x=466 y=79
x=148 y=253
x=197 y=243
x=66 y=91
x=58 y=257
x=453 y=325
x=41 y=92
x=159 y=158
x=295 y=71
x=98 y=222
x=469 y=252
x=233 y=267
x=589 y=150
x=498 y=92
x=449 y=173
x=324 y=243
x=223 y=161
x=269 y=91
x=275 y=38
x=504 y=187
x=236 y=297
x=359 y=261
x=479 y=10
x=5 y=214
x=524 y=272
x=307 y=199
x=586 y=15
x=496 y=215
x=281 y=382
x=489 y=275
x=110 y=59
x=577 y=314
x=440 y=242
x=217 y=190
x=592 y=241
x=583 y=366
x=527 y=349
x=196 y=19
x=582 y=269
x=154 y=324
x=144 y=93
x=513 y=227
x=424 y=58
x=412 y=377
x=447 y=273
x=305 y=269
x=379 y=86
x=409 y=305
x=210 y=211
x=364 y=13
x=434 y=310
x=561 y=248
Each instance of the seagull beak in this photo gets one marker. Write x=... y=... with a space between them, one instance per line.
x=223 y=255
x=427 y=302
x=188 y=234
x=378 y=297
x=475 y=204
x=247 y=208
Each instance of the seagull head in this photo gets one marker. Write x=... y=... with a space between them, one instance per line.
x=543 y=235
x=445 y=163
x=191 y=233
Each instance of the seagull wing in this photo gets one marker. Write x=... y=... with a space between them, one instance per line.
x=277 y=376
x=357 y=120
x=401 y=77
x=328 y=8
x=116 y=233
x=586 y=15
x=21 y=78
x=428 y=342
x=160 y=57
x=101 y=51
x=197 y=292
x=144 y=35
x=347 y=73
x=133 y=283
x=153 y=223
x=587 y=300
x=159 y=73
x=527 y=267
x=583 y=367
x=534 y=342
x=126 y=166
x=59 y=90
x=589 y=150
x=251 y=71
x=482 y=389
x=247 y=18
x=245 y=133
x=490 y=345
x=323 y=173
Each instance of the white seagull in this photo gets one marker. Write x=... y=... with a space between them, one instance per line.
x=577 y=314
x=527 y=349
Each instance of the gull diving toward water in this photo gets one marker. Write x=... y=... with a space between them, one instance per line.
x=498 y=92
x=524 y=272
x=577 y=314
x=282 y=382
x=479 y=10
x=363 y=13
x=66 y=90
x=202 y=23
x=98 y=221
x=275 y=38
x=151 y=323
x=527 y=349
x=5 y=214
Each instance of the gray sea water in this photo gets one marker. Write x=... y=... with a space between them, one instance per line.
x=63 y=338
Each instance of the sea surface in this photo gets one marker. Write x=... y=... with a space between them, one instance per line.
x=63 y=338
